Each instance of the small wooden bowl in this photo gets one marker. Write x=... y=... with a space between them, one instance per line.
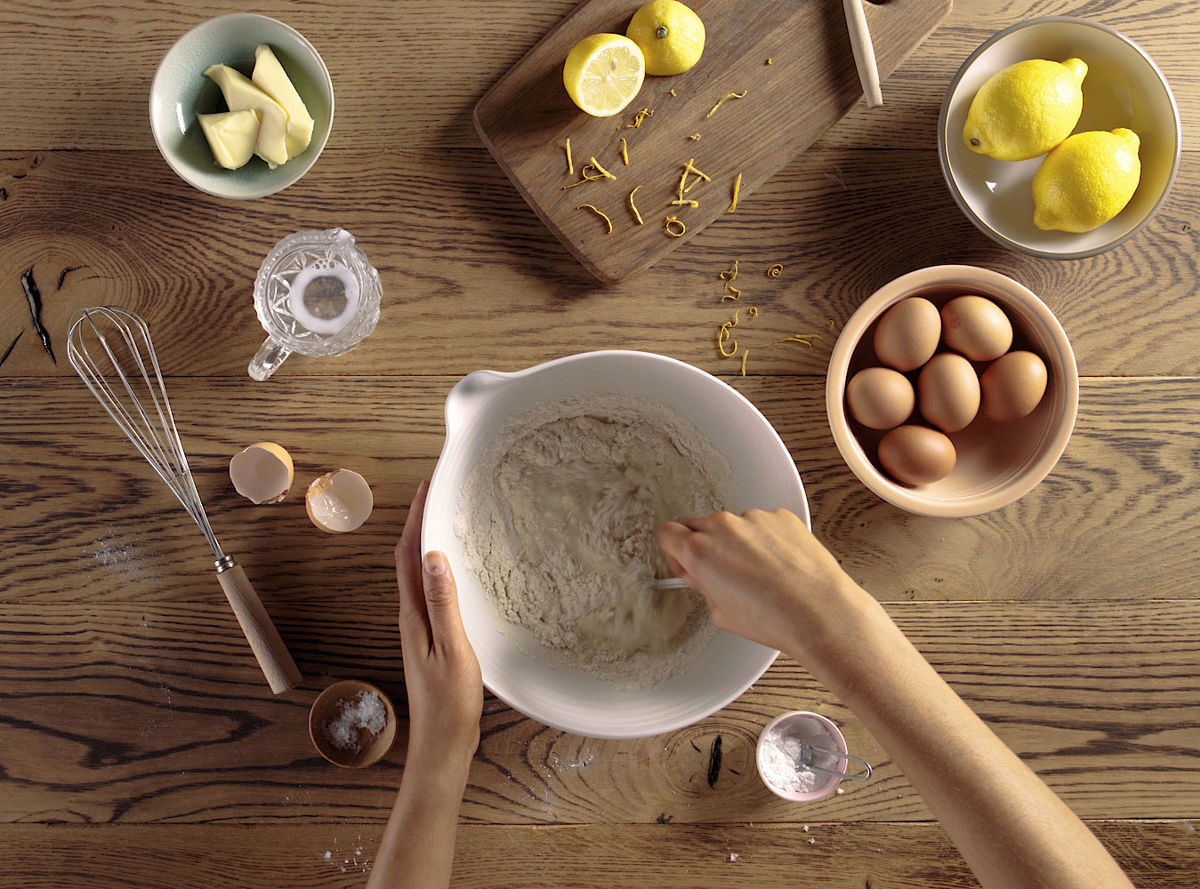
x=325 y=708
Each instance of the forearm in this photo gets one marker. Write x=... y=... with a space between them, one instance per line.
x=417 y=849
x=1013 y=831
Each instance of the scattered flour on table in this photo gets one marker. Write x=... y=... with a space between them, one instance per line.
x=559 y=520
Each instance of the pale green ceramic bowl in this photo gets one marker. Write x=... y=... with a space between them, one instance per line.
x=180 y=91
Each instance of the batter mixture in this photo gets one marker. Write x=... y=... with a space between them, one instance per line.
x=559 y=517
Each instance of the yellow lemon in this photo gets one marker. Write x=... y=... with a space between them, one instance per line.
x=1086 y=181
x=603 y=73
x=669 y=34
x=1025 y=109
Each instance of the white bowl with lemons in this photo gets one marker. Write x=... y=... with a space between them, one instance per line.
x=1123 y=88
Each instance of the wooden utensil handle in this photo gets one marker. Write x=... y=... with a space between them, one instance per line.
x=273 y=656
x=864 y=52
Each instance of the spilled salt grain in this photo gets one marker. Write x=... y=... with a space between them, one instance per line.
x=363 y=711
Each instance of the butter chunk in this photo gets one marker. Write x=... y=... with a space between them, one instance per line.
x=231 y=135
x=270 y=77
x=241 y=94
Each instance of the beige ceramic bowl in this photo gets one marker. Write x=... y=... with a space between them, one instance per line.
x=997 y=462
x=1123 y=88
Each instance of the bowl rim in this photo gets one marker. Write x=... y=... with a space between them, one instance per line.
x=839 y=362
x=503 y=688
x=182 y=170
x=944 y=154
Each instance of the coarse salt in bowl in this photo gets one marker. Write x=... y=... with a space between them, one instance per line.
x=778 y=747
x=525 y=675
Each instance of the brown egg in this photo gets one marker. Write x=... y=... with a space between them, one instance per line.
x=1012 y=386
x=880 y=398
x=949 y=392
x=907 y=334
x=976 y=327
x=916 y=455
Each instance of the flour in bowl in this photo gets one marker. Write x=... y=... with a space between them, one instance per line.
x=559 y=519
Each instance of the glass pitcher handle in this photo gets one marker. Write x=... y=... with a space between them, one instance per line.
x=267 y=359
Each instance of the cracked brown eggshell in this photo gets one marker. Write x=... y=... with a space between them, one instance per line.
x=262 y=473
x=339 y=501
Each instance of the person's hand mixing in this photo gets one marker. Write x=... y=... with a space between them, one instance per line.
x=763 y=574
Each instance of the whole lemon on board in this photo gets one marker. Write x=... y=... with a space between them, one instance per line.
x=1086 y=181
x=1025 y=109
x=670 y=35
x=603 y=73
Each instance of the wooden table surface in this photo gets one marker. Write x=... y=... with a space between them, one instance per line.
x=139 y=744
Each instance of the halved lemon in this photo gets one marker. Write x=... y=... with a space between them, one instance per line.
x=603 y=73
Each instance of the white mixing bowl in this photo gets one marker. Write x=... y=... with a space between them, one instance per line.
x=764 y=476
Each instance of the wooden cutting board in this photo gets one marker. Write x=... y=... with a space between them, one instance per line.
x=811 y=82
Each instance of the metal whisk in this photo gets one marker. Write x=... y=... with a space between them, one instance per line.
x=111 y=350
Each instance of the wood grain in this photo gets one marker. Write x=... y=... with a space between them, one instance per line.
x=465 y=289
x=1163 y=855
x=1115 y=517
x=139 y=745
x=406 y=74
x=157 y=713
x=779 y=110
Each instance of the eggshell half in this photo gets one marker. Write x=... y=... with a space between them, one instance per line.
x=262 y=473
x=339 y=501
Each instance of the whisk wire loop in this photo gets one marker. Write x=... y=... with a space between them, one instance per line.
x=111 y=350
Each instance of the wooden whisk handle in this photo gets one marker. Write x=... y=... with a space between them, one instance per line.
x=272 y=654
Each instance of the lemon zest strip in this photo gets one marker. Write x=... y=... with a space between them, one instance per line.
x=745 y=355
x=730 y=273
x=592 y=162
x=752 y=312
x=695 y=137
x=673 y=93
x=638 y=118
x=633 y=207
x=722 y=335
x=570 y=163
x=599 y=213
x=805 y=339
x=685 y=202
x=624 y=151
x=721 y=101
x=737 y=294
x=674 y=232
x=737 y=187
x=775 y=270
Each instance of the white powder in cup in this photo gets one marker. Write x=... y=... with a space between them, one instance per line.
x=781 y=748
